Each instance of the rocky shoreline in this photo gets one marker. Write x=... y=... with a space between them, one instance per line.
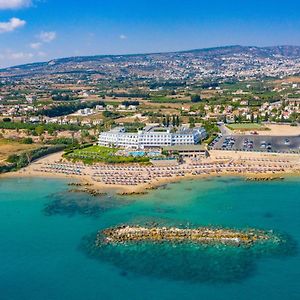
x=85 y=188
x=79 y=184
x=202 y=235
x=264 y=178
x=91 y=192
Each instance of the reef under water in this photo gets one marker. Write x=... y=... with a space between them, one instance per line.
x=185 y=259
x=81 y=203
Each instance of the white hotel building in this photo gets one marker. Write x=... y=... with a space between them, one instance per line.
x=151 y=137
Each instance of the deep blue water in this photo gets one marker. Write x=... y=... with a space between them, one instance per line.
x=44 y=252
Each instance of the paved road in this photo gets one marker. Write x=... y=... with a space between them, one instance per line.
x=225 y=130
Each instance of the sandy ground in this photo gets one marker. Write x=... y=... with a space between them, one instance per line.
x=9 y=147
x=216 y=156
x=278 y=130
x=30 y=171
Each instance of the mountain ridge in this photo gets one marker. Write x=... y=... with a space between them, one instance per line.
x=98 y=56
x=127 y=64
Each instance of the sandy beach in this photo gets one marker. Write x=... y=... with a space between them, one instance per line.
x=135 y=179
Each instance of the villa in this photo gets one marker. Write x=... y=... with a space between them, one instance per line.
x=151 y=136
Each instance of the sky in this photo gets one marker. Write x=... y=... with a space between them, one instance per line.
x=40 y=30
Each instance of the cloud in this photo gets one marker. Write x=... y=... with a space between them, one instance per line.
x=14 y=4
x=47 y=37
x=43 y=37
x=123 y=37
x=42 y=54
x=36 y=45
x=10 y=55
x=11 y=25
x=20 y=55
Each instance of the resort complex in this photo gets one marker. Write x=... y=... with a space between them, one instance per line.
x=152 y=136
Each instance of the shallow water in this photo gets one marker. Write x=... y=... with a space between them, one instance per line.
x=45 y=248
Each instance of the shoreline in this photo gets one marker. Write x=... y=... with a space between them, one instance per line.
x=87 y=178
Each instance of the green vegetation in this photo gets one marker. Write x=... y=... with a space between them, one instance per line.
x=163 y=99
x=39 y=128
x=111 y=115
x=27 y=141
x=129 y=95
x=195 y=98
x=14 y=146
x=96 y=154
x=134 y=127
x=211 y=128
x=64 y=141
x=128 y=103
x=169 y=84
x=210 y=139
x=294 y=96
x=246 y=126
x=61 y=97
x=66 y=109
x=18 y=161
x=6 y=120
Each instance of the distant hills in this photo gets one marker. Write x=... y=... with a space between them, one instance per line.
x=240 y=61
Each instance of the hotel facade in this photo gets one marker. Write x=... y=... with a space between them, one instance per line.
x=151 y=137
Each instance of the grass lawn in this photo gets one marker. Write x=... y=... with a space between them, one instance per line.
x=246 y=126
x=97 y=150
x=96 y=154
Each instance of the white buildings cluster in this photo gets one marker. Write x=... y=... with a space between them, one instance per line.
x=151 y=136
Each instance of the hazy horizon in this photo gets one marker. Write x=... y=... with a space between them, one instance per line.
x=141 y=53
x=35 y=30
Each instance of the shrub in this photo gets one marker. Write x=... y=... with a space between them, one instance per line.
x=27 y=141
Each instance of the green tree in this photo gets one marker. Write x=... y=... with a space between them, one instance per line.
x=168 y=121
x=173 y=121
x=51 y=131
x=39 y=130
x=27 y=140
x=195 y=98
x=177 y=121
x=266 y=117
x=192 y=122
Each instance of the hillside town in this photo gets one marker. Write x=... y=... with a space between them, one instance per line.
x=191 y=66
x=178 y=113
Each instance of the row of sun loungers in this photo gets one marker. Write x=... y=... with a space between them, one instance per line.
x=68 y=169
x=135 y=174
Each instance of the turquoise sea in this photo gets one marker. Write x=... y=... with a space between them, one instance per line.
x=46 y=232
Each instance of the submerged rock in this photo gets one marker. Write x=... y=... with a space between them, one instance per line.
x=195 y=262
x=202 y=235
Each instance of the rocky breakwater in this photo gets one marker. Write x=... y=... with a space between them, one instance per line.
x=202 y=235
